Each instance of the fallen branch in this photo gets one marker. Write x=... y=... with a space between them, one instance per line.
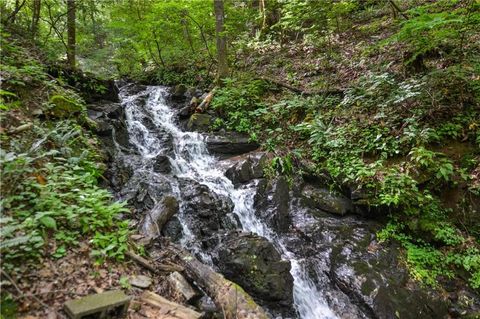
x=206 y=102
x=155 y=268
x=21 y=294
x=228 y=296
x=300 y=91
x=395 y=7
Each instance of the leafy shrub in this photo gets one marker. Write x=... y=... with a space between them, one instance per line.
x=433 y=28
x=238 y=101
x=51 y=194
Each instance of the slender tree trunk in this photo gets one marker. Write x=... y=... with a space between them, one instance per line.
x=187 y=35
x=264 y=15
x=71 y=12
x=221 y=40
x=35 y=17
x=18 y=6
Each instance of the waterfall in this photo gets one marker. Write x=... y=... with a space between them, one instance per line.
x=192 y=160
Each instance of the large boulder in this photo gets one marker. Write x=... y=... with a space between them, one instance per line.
x=230 y=144
x=247 y=168
x=206 y=212
x=111 y=127
x=376 y=279
x=62 y=106
x=161 y=164
x=326 y=200
x=254 y=263
x=271 y=203
x=372 y=276
x=179 y=92
x=199 y=122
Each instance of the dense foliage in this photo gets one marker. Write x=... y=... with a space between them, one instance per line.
x=382 y=98
x=50 y=198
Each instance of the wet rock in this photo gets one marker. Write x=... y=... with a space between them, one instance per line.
x=178 y=92
x=206 y=212
x=199 y=122
x=143 y=190
x=246 y=169
x=326 y=200
x=254 y=263
x=133 y=89
x=372 y=276
x=271 y=203
x=110 y=125
x=380 y=284
x=121 y=170
x=161 y=164
x=185 y=112
x=173 y=229
x=231 y=144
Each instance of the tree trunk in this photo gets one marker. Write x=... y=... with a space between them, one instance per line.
x=71 y=11
x=228 y=296
x=169 y=309
x=18 y=6
x=263 y=11
x=35 y=17
x=221 y=40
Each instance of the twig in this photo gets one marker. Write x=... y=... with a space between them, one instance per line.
x=153 y=268
x=141 y=261
x=22 y=295
x=395 y=7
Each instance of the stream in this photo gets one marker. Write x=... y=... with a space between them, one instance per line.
x=192 y=160
x=336 y=268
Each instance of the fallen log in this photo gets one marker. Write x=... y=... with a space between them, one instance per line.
x=300 y=91
x=228 y=296
x=169 y=309
x=206 y=102
x=160 y=214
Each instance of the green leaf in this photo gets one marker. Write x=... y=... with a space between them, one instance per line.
x=48 y=222
x=14 y=242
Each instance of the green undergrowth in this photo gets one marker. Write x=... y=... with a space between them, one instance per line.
x=407 y=147
x=50 y=166
x=403 y=140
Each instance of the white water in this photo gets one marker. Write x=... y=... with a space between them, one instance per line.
x=193 y=161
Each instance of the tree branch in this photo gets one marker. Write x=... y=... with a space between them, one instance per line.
x=396 y=7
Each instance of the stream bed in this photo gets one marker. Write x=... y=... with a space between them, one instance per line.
x=298 y=249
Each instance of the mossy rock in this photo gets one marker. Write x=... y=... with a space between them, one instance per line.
x=199 y=122
x=64 y=107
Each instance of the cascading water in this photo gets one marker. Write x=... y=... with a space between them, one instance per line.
x=191 y=160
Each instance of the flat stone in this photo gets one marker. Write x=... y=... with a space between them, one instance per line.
x=110 y=304
x=181 y=285
x=141 y=281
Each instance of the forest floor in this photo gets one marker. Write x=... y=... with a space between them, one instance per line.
x=61 y=239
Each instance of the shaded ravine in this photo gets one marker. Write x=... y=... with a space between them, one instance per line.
x=190 y=159
x=339 y=269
